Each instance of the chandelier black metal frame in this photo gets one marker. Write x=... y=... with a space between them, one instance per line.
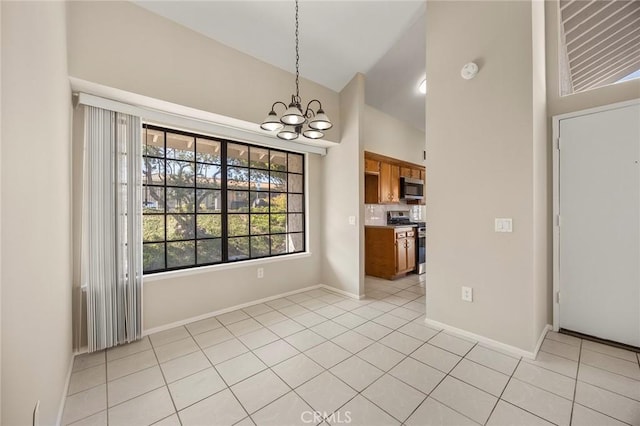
x=293 y=122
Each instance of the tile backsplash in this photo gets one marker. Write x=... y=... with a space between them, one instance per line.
x=376 y=214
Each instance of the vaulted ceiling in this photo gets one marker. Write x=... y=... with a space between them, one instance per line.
x=383 y=39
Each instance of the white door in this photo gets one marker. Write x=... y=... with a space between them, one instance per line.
x=599 y=243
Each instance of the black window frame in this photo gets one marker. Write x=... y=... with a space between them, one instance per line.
x=225 y=211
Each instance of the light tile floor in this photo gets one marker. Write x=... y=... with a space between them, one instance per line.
x=320 y=358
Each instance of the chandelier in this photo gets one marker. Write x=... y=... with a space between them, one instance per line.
x=294 y=121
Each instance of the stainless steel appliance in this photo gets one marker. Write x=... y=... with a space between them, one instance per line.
x=421 y=248
x=399 y=217
x=411 y=189
x=403 y=218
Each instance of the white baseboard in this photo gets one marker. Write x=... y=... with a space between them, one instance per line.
x=342 y=292
x=230 y=309
x=490 y=342
x=82 y=350
x=541 y=338
x=65 y=391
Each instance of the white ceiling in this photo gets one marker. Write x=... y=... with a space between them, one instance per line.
x=337 y=39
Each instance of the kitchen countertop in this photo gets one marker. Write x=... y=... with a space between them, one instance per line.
x=392 y=226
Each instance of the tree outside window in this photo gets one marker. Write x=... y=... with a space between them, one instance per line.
x=208 y=201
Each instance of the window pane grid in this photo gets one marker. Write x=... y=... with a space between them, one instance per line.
x=216 y=201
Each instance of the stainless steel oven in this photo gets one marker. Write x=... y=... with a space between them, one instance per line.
x=421 y=248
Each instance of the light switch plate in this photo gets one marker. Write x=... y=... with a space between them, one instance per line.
x=504 y=224
x=352 y=220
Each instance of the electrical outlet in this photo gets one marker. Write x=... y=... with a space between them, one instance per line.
x=260 y=272
x=36 y=414
x=467 y=294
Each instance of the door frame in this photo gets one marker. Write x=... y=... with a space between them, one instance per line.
x=556 y=146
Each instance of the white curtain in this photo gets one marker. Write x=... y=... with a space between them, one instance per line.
x=112 y=227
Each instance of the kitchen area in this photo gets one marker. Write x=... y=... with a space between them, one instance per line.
x=395 y=211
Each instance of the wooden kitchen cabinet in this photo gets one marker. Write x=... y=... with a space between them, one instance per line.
x=410 y=172
x=382 y=178
x=389 y=252
x=389 y=183
x=405 y=251
x=371 y=166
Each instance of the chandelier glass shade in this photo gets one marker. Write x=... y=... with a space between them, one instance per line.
x=294 y=120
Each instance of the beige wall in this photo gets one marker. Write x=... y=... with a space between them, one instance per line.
x=386 y=135
x=542 y=247
x=484 y=144
x=155 y=57
x=343 y=196
x=0 y=218
x=36 y=219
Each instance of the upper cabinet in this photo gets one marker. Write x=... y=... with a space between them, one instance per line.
x=371 y=166
x=411 y=172
x=389 y=184
x=382 y=178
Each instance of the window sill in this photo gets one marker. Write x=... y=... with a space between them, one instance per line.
x=160 y=276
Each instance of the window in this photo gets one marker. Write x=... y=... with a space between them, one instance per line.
x=208 y=201
x=600 y=43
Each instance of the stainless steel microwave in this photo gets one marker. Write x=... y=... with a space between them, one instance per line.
x=411 y=189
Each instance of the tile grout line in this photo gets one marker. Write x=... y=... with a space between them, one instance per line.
x=604 y=414
x=576 y=387
x=387 y=372
x=201 y=349
x=330 y=340
x=529 y=361
x=503 y=389
x=521 y=408
x=526 y=410
x=351 y=356
x=166 y=383
x=572 y=401
x=228 y=387
x=274 y=372
x=610 y=372
x=448 y=374
x=327 y=370
x=543 y=389
x=192 y=336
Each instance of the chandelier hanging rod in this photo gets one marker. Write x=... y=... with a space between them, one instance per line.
x=293 y=120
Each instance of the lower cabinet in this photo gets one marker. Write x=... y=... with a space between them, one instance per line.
x=389 y=252
x=405 y=252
